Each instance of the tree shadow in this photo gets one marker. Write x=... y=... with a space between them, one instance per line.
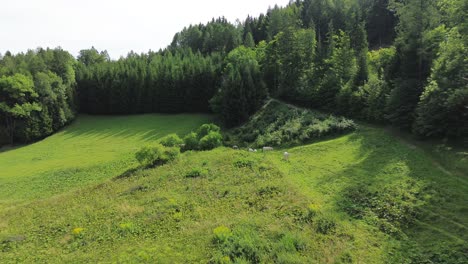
x=391 y=167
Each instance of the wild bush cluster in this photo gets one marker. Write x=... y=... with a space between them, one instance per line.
x=207 y=137
x=279 y=124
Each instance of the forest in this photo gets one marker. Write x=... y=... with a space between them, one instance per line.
x=395 y=62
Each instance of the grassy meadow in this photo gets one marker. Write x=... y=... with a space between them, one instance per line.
x=365 y=197
x=90 y=150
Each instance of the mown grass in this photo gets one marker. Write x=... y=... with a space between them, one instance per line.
x=90 y=150
x=228 y=205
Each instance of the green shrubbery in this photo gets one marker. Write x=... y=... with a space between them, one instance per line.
x=208 y=137
x=211 y=141
x=191 y=141
x=156 y=154
x=279 y=124
x=171 y=140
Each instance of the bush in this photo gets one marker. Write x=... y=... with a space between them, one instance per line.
x=191 y=141
x=156 y=154
x=195 y=173
x=170 y=154
x=205 y=129
x=211 y=141
x=172 y=140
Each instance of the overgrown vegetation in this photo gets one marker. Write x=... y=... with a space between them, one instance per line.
x=208 y=137
x=281 y=124
x=156 y=154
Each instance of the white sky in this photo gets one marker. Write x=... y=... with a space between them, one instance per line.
x=116 y=25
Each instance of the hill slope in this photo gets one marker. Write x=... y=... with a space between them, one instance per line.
x=361 y=198
x=90 y=150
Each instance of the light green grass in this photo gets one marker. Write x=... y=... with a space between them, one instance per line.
x=271 y=205
x=90 y=150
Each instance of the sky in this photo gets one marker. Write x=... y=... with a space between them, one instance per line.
x=118 y=26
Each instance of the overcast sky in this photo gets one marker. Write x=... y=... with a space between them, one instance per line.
x=116 y=25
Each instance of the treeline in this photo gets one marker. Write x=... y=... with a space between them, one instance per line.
x=387 y=61
x=171 y=81
x=37 y=94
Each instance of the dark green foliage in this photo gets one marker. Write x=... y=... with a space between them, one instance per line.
x=287 y=61
x=45 y=80
x=242 y=89
x=217 y=35
x=443 y=110
x=173 y=81
x=156 y=154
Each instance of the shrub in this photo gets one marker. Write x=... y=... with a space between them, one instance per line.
x=156 y=154
x=191 y=141
x=205 y=129
x=195 y=172
x=172 y=140
x=211 y=141
x=170 y=154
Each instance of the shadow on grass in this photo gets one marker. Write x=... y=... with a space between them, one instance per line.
x=129 y=173
x=425 y=203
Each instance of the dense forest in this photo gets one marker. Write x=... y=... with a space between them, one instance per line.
x=403 y=63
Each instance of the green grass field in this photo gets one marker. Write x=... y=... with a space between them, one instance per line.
x=365 y=197
x=90 y=150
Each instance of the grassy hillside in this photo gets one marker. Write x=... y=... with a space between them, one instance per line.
x=90 y=150
x=366 y=197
